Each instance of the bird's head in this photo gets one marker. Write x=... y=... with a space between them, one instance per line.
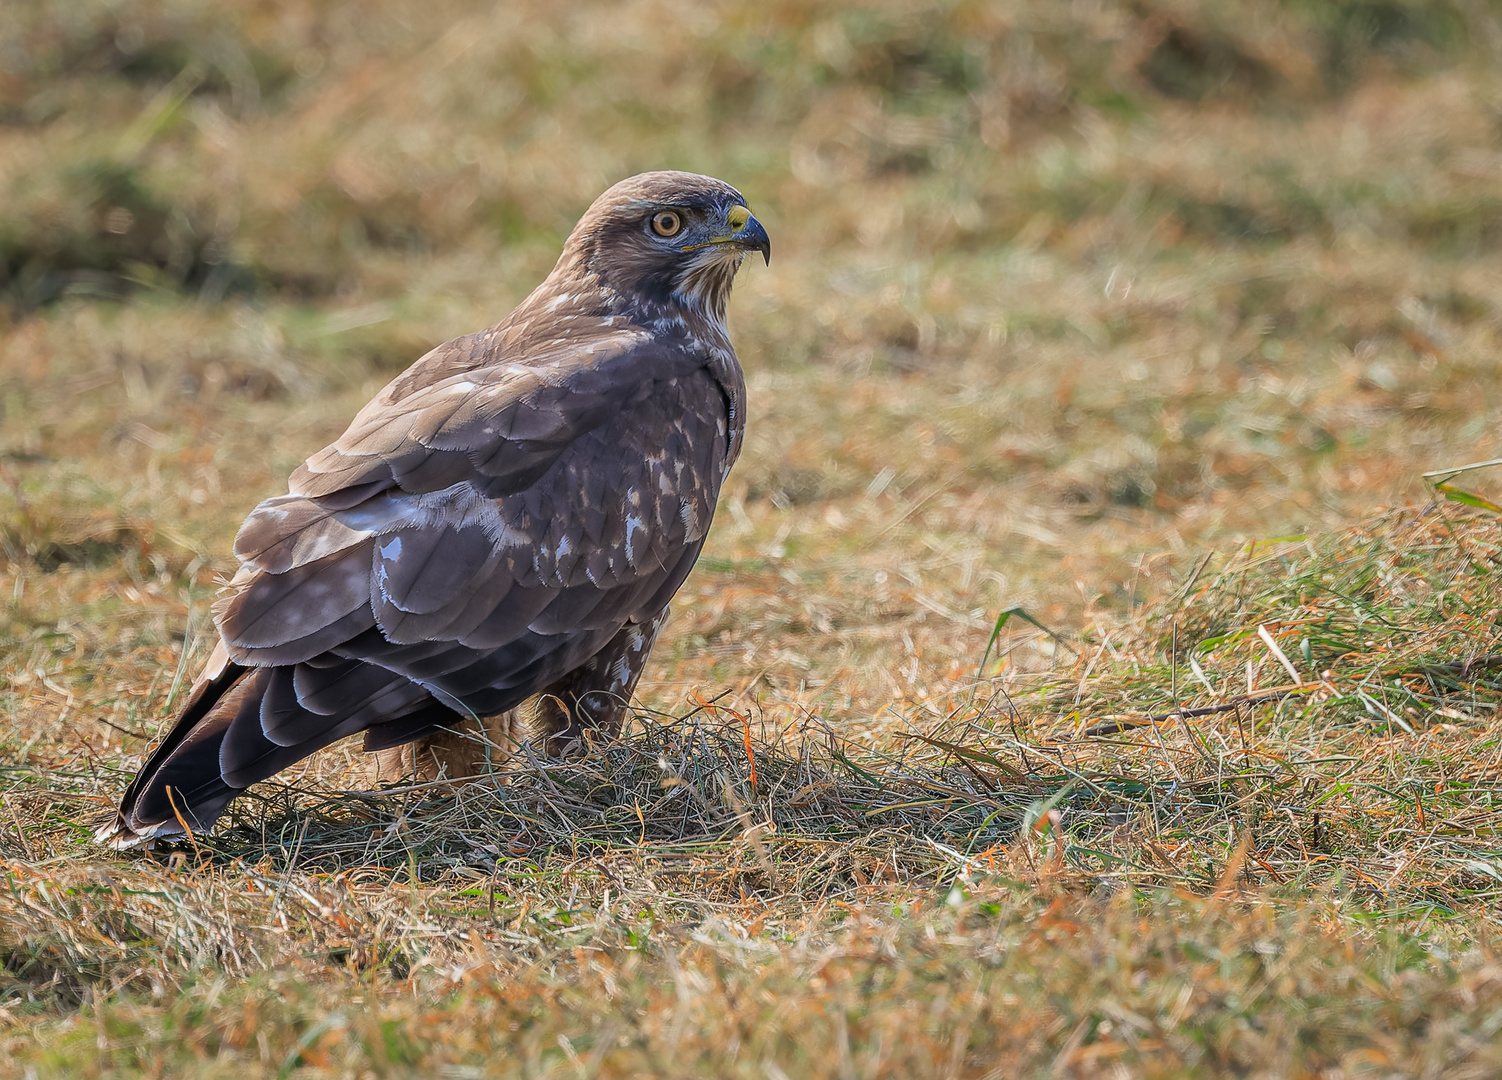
x=671 y=239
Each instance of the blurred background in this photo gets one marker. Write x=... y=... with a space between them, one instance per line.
x=1063 y=293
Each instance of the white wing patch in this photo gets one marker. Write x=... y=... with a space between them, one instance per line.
x=688 y=513
x=458 y=506
x=633 y=526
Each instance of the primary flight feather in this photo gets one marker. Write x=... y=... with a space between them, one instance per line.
x=508 y=517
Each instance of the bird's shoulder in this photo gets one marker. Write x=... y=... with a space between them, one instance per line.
x=506 y=398
x=516 y=358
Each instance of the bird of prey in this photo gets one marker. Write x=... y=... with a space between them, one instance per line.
x=509 y=517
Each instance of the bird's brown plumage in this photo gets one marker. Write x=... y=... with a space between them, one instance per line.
x=508 y=517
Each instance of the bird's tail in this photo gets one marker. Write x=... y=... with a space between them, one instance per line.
x=180 y=787
x=226 y=737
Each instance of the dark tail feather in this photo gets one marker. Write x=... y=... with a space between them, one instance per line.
x=219 y=745
x=186 y=764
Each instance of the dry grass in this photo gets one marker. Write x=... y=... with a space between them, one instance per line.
x=1070 y=304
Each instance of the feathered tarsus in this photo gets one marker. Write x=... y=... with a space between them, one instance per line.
x=509 y=517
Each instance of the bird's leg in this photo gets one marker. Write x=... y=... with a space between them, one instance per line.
x=472 y=747
x=595 y=696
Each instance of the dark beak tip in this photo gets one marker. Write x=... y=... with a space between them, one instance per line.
x=760 y=240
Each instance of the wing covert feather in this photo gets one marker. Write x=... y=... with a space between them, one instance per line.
x=457 y=594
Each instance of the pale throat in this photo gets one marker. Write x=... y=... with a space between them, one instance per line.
x=704 y=285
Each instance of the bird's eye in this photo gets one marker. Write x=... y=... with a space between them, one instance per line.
x=666 y=223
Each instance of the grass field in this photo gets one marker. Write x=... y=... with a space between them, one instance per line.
x=1142 y=322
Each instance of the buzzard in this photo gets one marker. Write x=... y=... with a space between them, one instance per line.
x=508 y=518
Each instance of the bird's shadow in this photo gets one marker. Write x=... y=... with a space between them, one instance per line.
x=709 y=780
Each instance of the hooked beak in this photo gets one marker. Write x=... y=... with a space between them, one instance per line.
x=745 y=233
x=748 y=233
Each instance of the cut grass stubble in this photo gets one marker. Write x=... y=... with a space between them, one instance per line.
x=786 y=862
x=1173 y=735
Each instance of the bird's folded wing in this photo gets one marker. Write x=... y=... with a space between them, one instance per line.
x=464 y=587
x=471 y=411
